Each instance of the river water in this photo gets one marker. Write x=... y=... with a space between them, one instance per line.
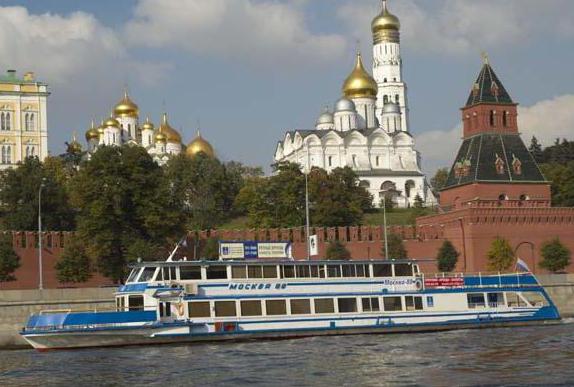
x=542 y=355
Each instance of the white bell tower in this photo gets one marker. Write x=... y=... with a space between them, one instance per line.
x=387 y=65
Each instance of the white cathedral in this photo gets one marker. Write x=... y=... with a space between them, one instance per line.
x=368 y=129
x=123 y=127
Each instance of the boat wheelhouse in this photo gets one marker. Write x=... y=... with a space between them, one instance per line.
x=187 y=301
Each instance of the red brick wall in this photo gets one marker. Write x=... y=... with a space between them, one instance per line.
x=458 y=197
x=476 y=119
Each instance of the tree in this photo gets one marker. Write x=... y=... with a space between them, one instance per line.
x=500 y=256
x=562 y=178
x=210 y=250
x=447 y=257
x=419 y=203
x=125 y=204
x=9 y=260
x=336 y=250
x=19 y=198
x=397 y=248
x=555 y=255
x=74 y=265
x=535 y=150
x=438 y=181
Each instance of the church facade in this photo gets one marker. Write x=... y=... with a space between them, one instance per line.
x=23 y=118
x=368 y=128
x=124 y=127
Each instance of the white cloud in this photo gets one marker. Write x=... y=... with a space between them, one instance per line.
x=547 y=120
x=247 y=30
x=463 y=26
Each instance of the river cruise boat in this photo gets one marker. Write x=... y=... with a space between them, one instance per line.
x=194 y=301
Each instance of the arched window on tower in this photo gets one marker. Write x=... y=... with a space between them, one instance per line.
x=2 y=121
x=385 y=80
x=492 y=118
x=27 y=121
x=505 y=119
x=377 y=160
x=5 y=121
x=8 y=121
x=386 y=99
x=396 y=98
x=330 y=161
x=32 y=121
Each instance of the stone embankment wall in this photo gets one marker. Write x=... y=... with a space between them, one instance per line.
x=17 y=305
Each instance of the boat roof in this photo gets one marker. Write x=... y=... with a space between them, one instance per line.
x=273 y=262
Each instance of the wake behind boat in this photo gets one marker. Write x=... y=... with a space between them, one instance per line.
x=184 y=301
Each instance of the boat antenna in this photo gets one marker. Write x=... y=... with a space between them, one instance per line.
x=182 y=242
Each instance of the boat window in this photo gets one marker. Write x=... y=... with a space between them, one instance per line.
x=251 y=308
x=225 y=308
x=190 y=272
x=159 y=276
x=133 y=275
x=361 y=270
x=475 y=300
x=430 y=302
x=370 y=304
x=324 y=305
x=347 y=305
x=349 y=271
x=120 y=304
x=169 y=273
x=288 y=271
x=303 y=271
x=403 y=270
x=270 y=271
x=535 y=299
x=495 y=299
x=301 y=306
x=254 y=271
x=314 y=271
x=413 y=303
x=392 y=304
x=217 y=272
x=147 y=274
x=382 y=270
x=334 y=271
x=165 y=309
x=513 y=299
x=199 y=309
x=238 y=272
x=276 y=307
x=135 y=303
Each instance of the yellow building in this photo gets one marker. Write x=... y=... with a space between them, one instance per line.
x=23 y=118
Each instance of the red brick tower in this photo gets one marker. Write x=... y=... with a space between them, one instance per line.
x=493 y=166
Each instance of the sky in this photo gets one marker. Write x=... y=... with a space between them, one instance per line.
x=246 y=71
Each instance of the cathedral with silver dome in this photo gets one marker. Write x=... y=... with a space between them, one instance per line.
x=161 y=142
x=368 y=129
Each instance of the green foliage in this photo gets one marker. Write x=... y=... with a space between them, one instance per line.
x=9 y=260
x=74 y=266
x=438 y=181
x=419 y=203
x=535 y=150
x=336 y=250
x=125 y=204
x=561 y=152
x=447 y=257
x=19 y=197
x=210 y=250
x=562 y=178
x=335 y=198
x=500 y=256
x=555 y=255
x=397 y=249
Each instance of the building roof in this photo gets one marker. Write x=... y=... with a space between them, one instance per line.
x=488 y=89
x=322 y=133
x=494 y=158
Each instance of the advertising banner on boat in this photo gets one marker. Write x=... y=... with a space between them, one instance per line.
x=255 y=250
x=447 y=282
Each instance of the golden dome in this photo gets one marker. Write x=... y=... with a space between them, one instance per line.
x=385 y=26
x=359 y=83
x=101 y=128
x=92 y=133
x=74 y=146
x=111 y=122
x=170 y=133
x=148 y=125
x=198 y=145
x=160 y=137
x=126 y=107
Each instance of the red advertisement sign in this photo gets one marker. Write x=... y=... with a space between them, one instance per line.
x=447 y=282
